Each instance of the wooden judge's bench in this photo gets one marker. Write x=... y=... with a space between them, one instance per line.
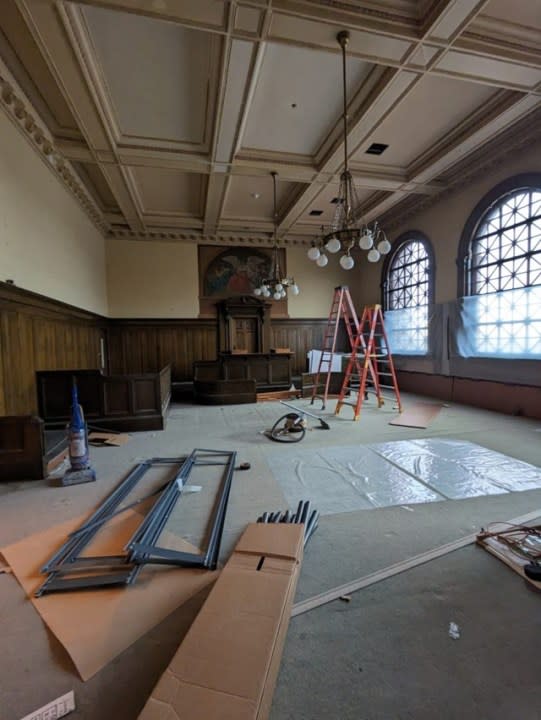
x=246 y=363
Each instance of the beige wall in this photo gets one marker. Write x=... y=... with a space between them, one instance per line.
x=152 y=279
x=160 y=280
x=316 y=284
x=47 y=243
x=444 y=222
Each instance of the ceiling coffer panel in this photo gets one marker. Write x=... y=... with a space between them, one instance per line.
x=432 y=109
x=159 y=78
x=298 y=99
x=250 y=198
x=165 y=191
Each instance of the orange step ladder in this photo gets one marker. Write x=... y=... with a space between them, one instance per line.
x=341 y=309
x=371 y=351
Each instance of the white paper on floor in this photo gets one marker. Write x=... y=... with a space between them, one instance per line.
x=342 y=479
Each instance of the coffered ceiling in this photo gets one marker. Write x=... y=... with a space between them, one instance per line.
x=166 y=117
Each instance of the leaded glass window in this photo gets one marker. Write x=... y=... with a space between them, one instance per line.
x=407 y=294
x=504 y=273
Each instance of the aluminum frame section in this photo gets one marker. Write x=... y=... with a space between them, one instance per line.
x=143 y=546
x=67 y=560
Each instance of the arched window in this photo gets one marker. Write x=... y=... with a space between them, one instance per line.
x=501 y=272
x=408 y=289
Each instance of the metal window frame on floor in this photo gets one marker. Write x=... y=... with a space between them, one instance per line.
x=143 y=546
x=119 y=570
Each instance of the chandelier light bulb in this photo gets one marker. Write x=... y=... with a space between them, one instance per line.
x=277 y=296
x=373 y=255
x=279 y=287
x=347 y=262
x=295 y=289
x=283 y=293
x=266 y=293
x=322 y=260
x=366 y=240
x=313 y=253
x=258 y=291
x=334 y=245
x=384 y=246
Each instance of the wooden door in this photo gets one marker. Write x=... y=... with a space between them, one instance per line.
x=245 y=334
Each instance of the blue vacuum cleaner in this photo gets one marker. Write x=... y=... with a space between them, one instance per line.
x=80 y=471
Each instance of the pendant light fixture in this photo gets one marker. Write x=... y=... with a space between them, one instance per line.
x=276 y=285
x=347 y=228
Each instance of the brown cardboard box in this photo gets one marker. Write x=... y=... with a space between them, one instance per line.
x=227 y=666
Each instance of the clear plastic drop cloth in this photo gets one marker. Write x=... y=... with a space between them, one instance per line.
x=343 y=479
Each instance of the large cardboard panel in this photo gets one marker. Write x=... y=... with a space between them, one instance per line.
x=227 y=666
x=114 y=618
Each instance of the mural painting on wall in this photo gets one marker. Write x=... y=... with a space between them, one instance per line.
x=236 y=271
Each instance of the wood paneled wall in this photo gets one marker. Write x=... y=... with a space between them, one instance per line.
x=146 y=346
x=40 y=334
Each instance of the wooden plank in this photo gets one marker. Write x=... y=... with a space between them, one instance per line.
x=375 y=577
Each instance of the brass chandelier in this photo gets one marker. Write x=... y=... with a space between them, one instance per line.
x=277 y=284
x=347 y=228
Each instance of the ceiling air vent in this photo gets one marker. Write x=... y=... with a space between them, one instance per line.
x=336 y=200
x=376 y=149
x=316 y=212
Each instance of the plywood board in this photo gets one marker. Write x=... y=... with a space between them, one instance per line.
x=419 y=415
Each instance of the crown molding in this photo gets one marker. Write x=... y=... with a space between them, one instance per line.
x=23 y=115
x=198 y=238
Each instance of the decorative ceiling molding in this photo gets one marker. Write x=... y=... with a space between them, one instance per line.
x=16 y=106
x=413 y=48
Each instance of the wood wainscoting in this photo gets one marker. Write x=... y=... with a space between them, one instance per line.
x=37 y=333
x=146 y=345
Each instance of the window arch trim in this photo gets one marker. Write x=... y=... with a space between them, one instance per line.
x=397 y=245
x=524 y=181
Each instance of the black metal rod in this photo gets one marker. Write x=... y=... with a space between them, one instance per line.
x=299 y=511
x=305 y=512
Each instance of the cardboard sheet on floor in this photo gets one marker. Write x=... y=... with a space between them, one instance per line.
x=110 y=439
x=95 y=626
x=419 y=415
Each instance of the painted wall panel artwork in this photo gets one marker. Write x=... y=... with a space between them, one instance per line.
x=233 y=271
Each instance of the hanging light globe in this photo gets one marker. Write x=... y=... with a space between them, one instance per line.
x=278 y=287
x=366 y=240
x=283 y=293
x=294 y=289
x=322 y=260
x=313 y=253
x=347 y=262
x=384 y=247
x=333 y=245
x=266 y=293
x=258 y=291
x=277 y=296
x=373 y=255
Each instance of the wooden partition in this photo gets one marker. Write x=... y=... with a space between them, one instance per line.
x=122 y=402
x=41 y=334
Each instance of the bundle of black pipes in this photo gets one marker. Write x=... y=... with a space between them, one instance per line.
x=304 y=514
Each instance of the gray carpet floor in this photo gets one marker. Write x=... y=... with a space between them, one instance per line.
x=386 y=654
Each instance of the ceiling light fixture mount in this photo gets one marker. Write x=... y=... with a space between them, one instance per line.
x=347 y=228
x=276 y=285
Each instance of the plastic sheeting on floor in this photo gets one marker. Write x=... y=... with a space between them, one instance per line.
x=342 y=479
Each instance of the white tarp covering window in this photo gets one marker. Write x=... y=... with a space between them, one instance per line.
x=407 y=330
x=502 y=324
